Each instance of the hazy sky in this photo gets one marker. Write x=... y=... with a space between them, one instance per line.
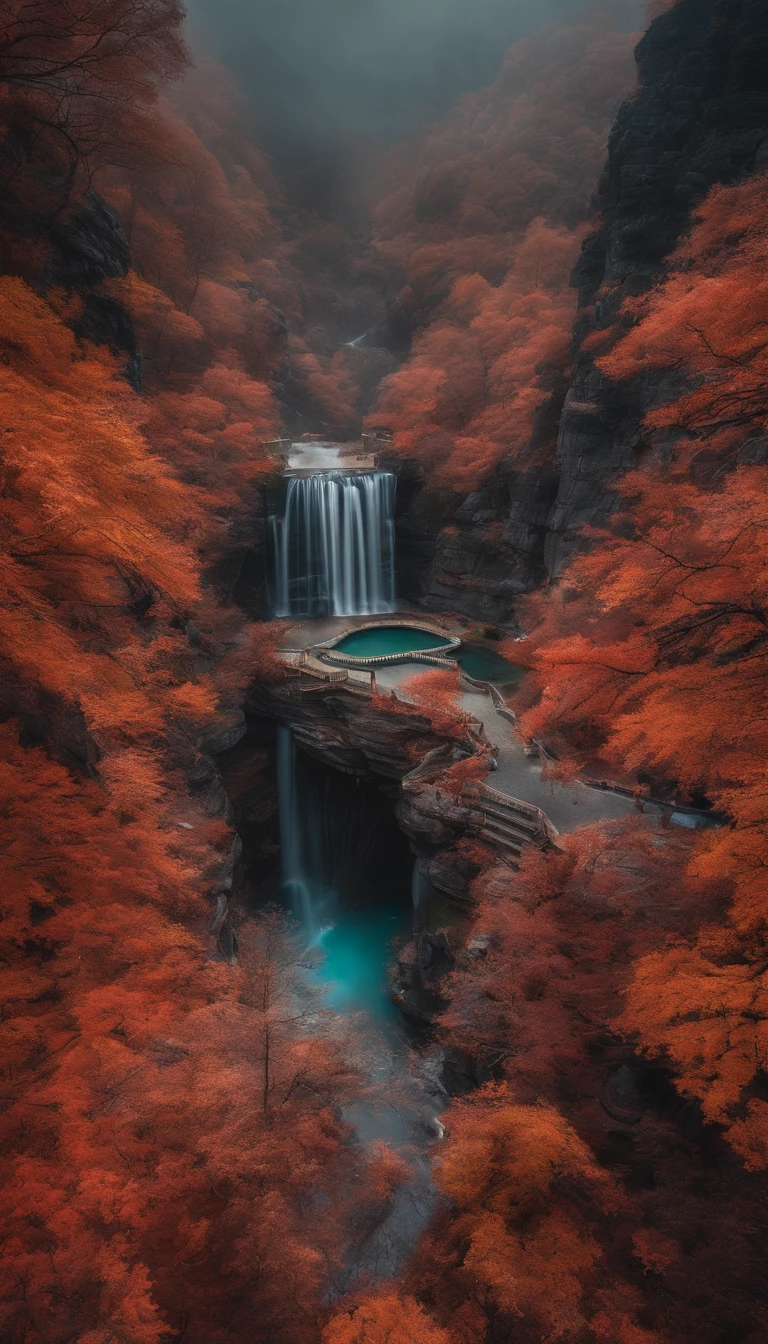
x=327 y=77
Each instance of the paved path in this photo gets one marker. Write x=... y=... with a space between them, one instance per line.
x=566 y=805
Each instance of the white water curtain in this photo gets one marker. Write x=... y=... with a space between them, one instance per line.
x=334 y=547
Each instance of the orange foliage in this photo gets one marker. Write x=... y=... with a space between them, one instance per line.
x=436 y=693
x=529 y=1202
x=707 y=320
x=473 y=383
x=485 y=233
x=384 y=1319
x=164 y=1116
x=654 y=653
x=536 y=1001
x=95 y=528
x=469 y=771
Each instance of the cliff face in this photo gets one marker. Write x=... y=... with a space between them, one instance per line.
x=492 y=548
x=699 y=117
x=352 y=734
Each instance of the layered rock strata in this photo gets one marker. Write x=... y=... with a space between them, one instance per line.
x=351 y=733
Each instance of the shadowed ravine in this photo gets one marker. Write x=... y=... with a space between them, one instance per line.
x=346 y=874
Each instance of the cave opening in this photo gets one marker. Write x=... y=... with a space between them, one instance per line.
x=346 y=870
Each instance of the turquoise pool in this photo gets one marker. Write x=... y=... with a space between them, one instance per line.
x=388 y=639
x=484 y=664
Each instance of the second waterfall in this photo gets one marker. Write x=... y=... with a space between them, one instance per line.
x=334 y=547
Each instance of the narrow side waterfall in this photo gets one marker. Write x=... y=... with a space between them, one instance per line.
x=347 y=873
x=291 y=846
x=340 y=846
x=334 y=547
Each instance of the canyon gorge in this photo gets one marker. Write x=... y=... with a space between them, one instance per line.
x=383 y=646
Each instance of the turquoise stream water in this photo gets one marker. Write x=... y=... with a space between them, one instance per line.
x=477 y=660
x=356 y=952
x=347 y=872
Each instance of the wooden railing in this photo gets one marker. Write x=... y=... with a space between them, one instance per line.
x=545 y=834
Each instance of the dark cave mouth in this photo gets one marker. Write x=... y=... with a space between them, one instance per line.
x=347 y=871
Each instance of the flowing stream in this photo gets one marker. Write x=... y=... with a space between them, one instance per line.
x=334 y=547
x=347 y=874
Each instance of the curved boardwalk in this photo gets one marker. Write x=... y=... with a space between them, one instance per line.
x=518 y=775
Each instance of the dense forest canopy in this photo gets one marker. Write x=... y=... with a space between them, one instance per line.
x=541 y=251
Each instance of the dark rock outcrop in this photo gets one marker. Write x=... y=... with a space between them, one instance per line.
x=699 y=117
x=85 y=245
x=352 y=734
x=88 y=248
x=478 y=559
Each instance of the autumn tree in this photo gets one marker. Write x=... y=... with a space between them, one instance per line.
x=652 y=652
x=437 y=694
x=480 y=229
x=519 y=1253
x=385 y=1318
x=706 y=324
x=536 y=1001
x=174 y=1154
x=75 y=80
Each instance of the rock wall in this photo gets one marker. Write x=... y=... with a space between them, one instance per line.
x=699 y=117
x=353 y=734
x=478 y=559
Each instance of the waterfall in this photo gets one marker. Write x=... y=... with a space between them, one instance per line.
x=334 y=547
x=340 y=846
x=291 y=846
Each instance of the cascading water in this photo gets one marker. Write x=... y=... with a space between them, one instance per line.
x=330 y=833
x=346 y=870
x=334 y=547
x=291 y=857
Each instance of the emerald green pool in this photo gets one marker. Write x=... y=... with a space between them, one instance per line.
x=384 y=639
x=484 y=664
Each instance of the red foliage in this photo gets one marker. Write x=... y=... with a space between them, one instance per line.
x=707 y=322
x=384 y=1318
x=529 y=1206
x=175 y=1157
x=436 y=693
x=484 y=234
x=654 y=654
x=537 y=1002
x=165 y=1115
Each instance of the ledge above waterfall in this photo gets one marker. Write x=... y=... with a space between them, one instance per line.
x=315 y=456
x=333 y=540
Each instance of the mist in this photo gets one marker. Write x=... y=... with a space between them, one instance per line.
x=331 y=80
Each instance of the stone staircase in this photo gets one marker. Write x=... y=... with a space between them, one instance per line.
x=505 y=823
